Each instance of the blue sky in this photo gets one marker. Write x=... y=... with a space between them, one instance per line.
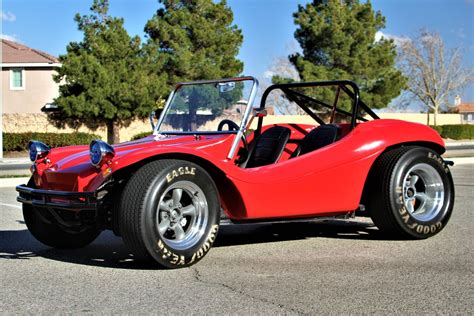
x=267 y=25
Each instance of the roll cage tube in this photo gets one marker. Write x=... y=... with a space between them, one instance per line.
x=243 y=124
x=300 y=99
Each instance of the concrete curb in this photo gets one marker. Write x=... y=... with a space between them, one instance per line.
x=461 y=160
x=13 y=182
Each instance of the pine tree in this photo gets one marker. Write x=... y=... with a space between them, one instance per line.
x=337 y=38
x=105 y=79
x=195 y=39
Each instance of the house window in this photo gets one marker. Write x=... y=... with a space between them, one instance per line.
x=17 y=79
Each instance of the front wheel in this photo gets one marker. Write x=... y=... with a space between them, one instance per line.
x=169 y=210
x=412 y=193
x=43 y=226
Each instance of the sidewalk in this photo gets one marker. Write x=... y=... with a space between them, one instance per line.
x=15 y=166
x=13 y=182
x=18 y=161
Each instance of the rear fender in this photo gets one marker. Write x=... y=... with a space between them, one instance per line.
x=386 y=133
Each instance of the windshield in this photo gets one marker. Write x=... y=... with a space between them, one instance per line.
x=200 y=107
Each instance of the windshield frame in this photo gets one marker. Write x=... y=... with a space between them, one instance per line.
x=243 y=125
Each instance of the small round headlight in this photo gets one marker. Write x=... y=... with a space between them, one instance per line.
x=100 y=152
x=37 y=150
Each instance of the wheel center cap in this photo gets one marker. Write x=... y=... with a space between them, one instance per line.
x=410 y=192
x=174 y=214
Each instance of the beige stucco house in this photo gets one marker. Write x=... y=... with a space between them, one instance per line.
x=28 y=85
x=27 y=82
x=466 y=110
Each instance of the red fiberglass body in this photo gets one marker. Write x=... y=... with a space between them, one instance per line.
x=328 y=181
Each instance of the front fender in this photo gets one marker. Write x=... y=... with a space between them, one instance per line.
x=213 y=151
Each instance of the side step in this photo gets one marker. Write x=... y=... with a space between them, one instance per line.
x=225 y=220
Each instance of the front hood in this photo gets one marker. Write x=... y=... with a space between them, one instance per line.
x=69 y=168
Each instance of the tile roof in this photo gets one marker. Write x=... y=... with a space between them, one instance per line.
x=13 y=52
x=465 y=107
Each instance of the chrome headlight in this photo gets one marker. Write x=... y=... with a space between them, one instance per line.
x=100 y=152
x=37 y=150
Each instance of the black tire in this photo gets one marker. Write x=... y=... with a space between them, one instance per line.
x=411 y=193
x=46 y=231
x=170 y=210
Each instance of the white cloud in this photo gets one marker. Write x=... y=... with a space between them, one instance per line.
x=8 y=16
x=397 y=39
x=12 y=38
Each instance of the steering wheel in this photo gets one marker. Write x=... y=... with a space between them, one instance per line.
x=232 y=126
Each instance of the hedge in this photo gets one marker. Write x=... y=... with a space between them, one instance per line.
x=455 y=131
x=438 y=128
x=141 y=135
x=19 y=141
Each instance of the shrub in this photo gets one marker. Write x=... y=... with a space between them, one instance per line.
x=455 y=131
x=141 y=135
x=19 y=141
x=438 y=128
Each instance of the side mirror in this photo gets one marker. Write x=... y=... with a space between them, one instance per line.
x=225 y=86
x=154 y=116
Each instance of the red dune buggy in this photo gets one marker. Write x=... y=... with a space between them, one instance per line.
x=212 y=155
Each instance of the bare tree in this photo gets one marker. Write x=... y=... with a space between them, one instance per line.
x=281 y=67
x=434 y=73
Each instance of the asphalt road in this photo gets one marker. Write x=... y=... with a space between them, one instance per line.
x=305 y=268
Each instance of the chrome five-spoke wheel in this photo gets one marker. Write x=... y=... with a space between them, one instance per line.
x=423 y=192
x=182 y=215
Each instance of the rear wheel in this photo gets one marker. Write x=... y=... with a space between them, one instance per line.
x=169 y=210
x=411 y=193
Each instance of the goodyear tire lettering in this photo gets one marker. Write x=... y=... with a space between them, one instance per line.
x=412 y=226
x=178 y=260
x=402 y=210
x=207 y=244
x=167 y=254
x=420 y=229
